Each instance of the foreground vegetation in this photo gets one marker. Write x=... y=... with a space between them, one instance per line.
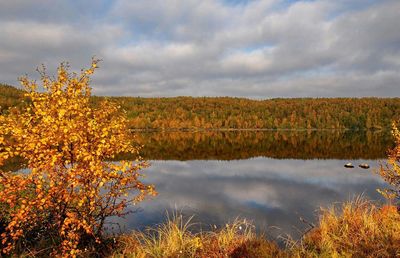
x=356 y=229
x=70 y=187
x=240 y=113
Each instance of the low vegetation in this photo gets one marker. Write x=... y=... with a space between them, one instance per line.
x=358 y=229
x=175 y=239
x=355 y=229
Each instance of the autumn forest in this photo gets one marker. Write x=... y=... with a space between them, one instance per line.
x=241 y=113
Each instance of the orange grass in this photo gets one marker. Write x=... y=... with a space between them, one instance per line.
x=358 y=229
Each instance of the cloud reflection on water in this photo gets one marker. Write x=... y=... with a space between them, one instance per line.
x=269 y=192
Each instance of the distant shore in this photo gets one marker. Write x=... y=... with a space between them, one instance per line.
x=249 y=129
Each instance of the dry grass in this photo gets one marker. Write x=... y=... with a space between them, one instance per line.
x=174 y=239
x=355 y=229
x=166 y=240
x=358 y=229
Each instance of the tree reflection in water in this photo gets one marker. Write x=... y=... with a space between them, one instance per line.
x=231 y=145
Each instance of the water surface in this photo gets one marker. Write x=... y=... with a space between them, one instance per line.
x=271 y=178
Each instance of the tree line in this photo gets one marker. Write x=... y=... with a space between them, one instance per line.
x=241 y=113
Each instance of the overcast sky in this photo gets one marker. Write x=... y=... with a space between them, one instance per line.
x=255 y=49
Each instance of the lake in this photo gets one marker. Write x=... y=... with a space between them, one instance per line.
x=272 y=178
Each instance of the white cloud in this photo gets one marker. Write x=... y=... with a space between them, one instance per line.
x=168 y=48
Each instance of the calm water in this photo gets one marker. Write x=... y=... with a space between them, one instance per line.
x=270 y=178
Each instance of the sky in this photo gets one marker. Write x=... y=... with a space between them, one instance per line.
x=243 y=48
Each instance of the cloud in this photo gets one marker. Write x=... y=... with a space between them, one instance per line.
x=256 y=49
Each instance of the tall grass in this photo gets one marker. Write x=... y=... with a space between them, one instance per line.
x=358 y=228
x=174 y=239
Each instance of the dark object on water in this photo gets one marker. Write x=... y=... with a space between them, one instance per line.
x=348 y=165
x=364 y=165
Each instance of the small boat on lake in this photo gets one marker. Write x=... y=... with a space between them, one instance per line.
x=364 y=165
x=348 y=165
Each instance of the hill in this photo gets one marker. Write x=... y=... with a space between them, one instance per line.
x=240 y=113
x=10 y=97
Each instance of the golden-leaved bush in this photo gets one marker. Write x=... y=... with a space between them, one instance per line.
x=391 y=171
x=70 y=187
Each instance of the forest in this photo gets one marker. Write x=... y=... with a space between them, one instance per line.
x=188 y=113
x=10 y=97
